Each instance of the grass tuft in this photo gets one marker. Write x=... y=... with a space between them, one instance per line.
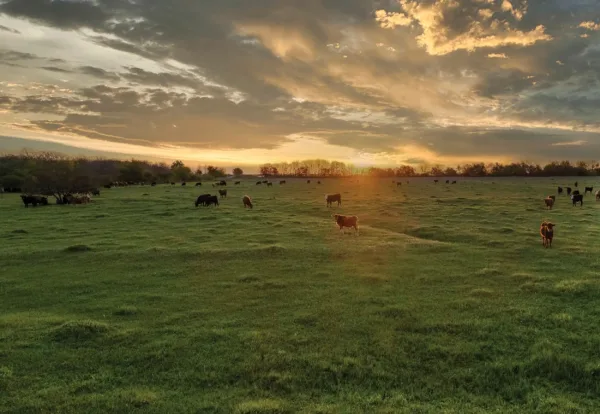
x=78 y=248
x=79 y=330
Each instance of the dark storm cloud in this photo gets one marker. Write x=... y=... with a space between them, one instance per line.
x=59 y=13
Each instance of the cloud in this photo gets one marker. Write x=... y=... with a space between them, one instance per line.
x=8 y=29
x=55 y=69
x=389 y=20
x=497 y=56
x=99 y=73
x=590 y=26
x=577 y=143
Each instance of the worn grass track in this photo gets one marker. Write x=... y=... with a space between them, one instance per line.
x=446 y=302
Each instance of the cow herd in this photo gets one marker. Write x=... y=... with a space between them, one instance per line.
x=575 y=195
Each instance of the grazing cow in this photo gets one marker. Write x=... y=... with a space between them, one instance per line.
x=398 y=184
x=549 y=202
x=198 y=185
x=447 y=181
x=560 y=190
x=237 y=183
x=346 y=221
x=108 y=186
x=569 y=190
x=598 y=195
x=153 y=184
x=307 y=181
x=212 y=200
x=282 y=182
x=576 y=192
x=547 y=233
x=318 y=182
x=265 y=182
x=435 y=181
x=202 y=199
x=71 y=199
x=590 y=189
x=576 y=184
x=172 y=183
x=332 y=198
x=259 y=183
x=95 y=192
x=223 y=193
x=183 y=184
x=223 y=183
x=269 y=184
x=34 y=200
x=247 y=202
x=453 y=182
x=577 y=198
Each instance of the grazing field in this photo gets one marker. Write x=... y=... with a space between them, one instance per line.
x=445 y=302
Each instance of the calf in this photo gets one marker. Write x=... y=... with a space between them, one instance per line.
x=332 y=198
x=346 y=221
x=549 y=202
x=223 y=193
x=577 y=198
x=547 y=233
x=201 y=200
x=247 y=202
x=569 y=190
x=590 y=189
x=212 y=200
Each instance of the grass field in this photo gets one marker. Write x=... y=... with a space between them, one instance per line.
x=446 y=302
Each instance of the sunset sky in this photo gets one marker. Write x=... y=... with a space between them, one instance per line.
x=245 y=82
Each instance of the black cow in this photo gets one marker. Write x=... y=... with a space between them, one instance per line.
x=576 y=184
x=223 y=193
x=224 y=183
x=307 y=181
x=198 y=185
x=569 y=190
x=237 y=183
x=590 y=189
x=107 y=186
x=202 y=199
x=318 y=182
x=183 y=184
x=435 y=181
x=95 y=192
x=577 y=198
x=34 y=200
x=282 y=182
x=259 y=183
x=398 y=184
x=153 y=184
x=269 y=184
x=172 y=183
x=447 y=181
x=453 y=182
x=212 y=200
x=332 y=198
x=576 y=192
x=560 y=190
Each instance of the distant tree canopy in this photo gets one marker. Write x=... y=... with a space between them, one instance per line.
x=215 y=172
x=238 y=172
x=55 y=174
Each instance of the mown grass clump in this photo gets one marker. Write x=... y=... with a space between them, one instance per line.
x=79 y=330
x=78 y=248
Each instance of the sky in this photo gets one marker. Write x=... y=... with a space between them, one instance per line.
x=369 y=82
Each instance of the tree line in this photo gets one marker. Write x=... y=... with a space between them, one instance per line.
x=55 y=174
x=324 y=168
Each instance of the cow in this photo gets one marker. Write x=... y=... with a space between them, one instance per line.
x=549 y=202
x=569 y=191
x=560 y=190
x=153 y=184
x=398 y=184
x=223 y=183
x=247 y=202
x=71 y=199
x=590 y=189
x=318 y=182
x=453 y=182
x=447 y=181
x=183 y=184
x=435 y=181
x=307 y=181
x=576 y=184
x=212 y=200
x=34 y=200
x=237 y=183
x=346 y=221
x=282 y=182
x=547 y=233
x=265 y=182
x=332 y=198
x=107 y=186
x=577 y=198
x=95 y=192
x=223 y=193
x=201 y=200
x=259 y=183
x=172 y=183
x=198 y=185
x=269 y=184
x=576 y=192
x=598 y=195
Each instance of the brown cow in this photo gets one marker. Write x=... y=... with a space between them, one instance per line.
x=346 y=221
x=549 y=202
x=247 y=202
x=547 y=233
x=223 y=193
x=332 y=198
